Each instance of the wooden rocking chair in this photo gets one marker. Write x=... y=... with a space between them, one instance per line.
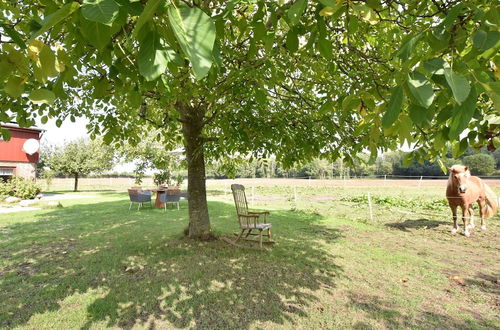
x=249 y=220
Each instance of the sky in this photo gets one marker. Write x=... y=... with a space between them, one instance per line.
x=70 y=131
x=67 y=132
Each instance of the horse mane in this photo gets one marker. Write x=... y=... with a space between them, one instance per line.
x=457 y=168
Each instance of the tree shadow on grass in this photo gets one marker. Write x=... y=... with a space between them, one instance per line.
x=487 y=283
x=416 y=224
x=386 y=313
x=138 y=270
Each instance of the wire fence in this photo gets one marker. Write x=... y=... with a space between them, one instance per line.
x=373 y=204
x=374 y=199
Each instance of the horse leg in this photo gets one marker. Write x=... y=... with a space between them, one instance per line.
x=455 y=225
x=482 y=212
x=465 y=220
x=471 y=213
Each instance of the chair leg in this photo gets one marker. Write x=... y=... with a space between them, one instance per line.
x=138 y=206
x=239 y=236
x=150 y=205
x=165 y=205
x=130 y=206
x=269 y=234
x=248 y=234
x=178 y=206
x=260 y=239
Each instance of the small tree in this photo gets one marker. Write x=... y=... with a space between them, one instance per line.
x=80 y=157
x=149 y=154
x=480 y=164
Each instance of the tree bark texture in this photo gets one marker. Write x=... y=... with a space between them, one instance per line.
x=192 y=126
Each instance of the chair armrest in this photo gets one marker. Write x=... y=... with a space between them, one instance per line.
x=249 y=215
x=255 y=218
x=262 y=212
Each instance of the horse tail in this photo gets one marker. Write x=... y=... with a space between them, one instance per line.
x=491 y=201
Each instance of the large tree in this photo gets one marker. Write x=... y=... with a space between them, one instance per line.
x=295 y=79
x=79 y=157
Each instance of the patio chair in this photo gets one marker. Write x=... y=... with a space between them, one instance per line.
x=248 y=220
x=171 y=196
x=140 y=197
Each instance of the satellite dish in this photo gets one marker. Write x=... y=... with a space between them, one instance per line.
x=31 y=146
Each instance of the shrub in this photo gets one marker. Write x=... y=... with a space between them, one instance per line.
x=480 y=164
x=19 y=187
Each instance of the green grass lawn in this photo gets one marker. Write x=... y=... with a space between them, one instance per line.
x=93 y=264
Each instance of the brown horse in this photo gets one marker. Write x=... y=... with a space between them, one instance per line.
x=463 y=190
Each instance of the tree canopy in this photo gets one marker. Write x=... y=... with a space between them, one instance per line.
x=295 y=79
x=79 y=157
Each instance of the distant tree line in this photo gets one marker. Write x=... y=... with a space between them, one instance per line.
x=484 y=163
x=84 y=158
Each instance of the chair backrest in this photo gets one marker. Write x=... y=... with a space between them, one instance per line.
x=240 y=199
x=132 y=194
x=173 y=191
x=138 y=196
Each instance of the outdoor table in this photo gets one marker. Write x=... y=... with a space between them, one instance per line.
x=158 y=192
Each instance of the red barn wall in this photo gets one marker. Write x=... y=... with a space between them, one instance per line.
x=12 y=151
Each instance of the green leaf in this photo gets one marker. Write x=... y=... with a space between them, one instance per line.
x=408 y=47
x=486 y=40
x=259 y=31
x=153 y=56
x=40 y=96
x=329 y=10
x=15 y=86
x=366 y=14
x=442 y=166
x=102 y=11
x=494 y=93
x=97 y=34
x=458 y=84
x=146 y=15
x=14 y=35
x=331 y=3
x=296 y=10
x=325 y=48
x=195 y=32
x=352 y=102
x=393 y=107
x=292 y=41
x=418 y=114
x=436 y=66
x=421 y=89
x=56 y=17
x=48 y=62
x=444 y=114
x=462 y=114
x=5 y=133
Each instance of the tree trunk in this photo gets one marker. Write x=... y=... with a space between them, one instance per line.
x=76 y=182
x=192 y=126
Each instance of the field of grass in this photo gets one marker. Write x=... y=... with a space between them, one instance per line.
x=93 y=264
